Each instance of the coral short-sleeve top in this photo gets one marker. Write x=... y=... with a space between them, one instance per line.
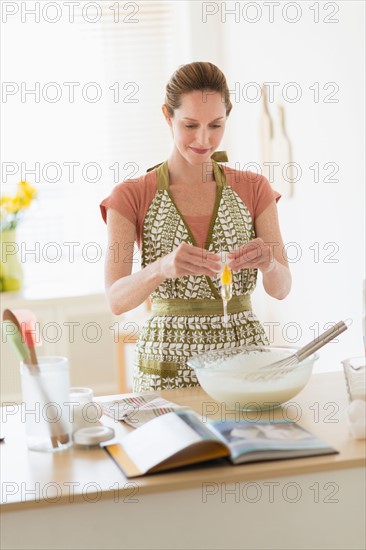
x=133 y=197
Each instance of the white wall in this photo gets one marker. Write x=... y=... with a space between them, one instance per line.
x=304 y=52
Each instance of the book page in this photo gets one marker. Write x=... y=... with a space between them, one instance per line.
x=198 y=452
x=161 y=438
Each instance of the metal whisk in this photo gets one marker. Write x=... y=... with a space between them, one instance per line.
x=288 y=364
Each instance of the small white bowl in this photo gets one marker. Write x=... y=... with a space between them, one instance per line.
x=223 y=375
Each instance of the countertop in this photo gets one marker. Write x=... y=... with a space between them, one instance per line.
x=34 y=479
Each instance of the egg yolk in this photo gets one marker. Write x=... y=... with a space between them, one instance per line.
x=226 y=276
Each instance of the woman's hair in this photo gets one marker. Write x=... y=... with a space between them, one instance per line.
x=200 y=75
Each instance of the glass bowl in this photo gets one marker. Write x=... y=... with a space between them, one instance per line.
x=229 y=376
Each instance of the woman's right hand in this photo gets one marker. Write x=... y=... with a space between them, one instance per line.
x=187 y=259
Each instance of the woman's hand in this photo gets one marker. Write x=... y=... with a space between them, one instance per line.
x=187 y=259
x=253 y=254
x=270 y=258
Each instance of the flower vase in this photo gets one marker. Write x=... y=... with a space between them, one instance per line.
x=11 y=270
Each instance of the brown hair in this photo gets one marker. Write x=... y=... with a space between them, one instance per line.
x=200 y=75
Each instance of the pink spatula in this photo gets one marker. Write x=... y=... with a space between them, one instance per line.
x=29 y=329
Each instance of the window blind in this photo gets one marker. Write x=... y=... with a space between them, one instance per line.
x=126 y=56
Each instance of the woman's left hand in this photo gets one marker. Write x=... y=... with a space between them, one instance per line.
x=253 y=254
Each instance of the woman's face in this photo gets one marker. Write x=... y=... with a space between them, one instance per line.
x=198 y=125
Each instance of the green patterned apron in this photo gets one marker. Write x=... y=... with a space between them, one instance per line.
x=187 y=313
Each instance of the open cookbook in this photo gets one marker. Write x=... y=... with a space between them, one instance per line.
x=180 y=438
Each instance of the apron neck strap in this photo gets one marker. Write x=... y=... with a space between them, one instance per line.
x=219 y=174
x=162 y=174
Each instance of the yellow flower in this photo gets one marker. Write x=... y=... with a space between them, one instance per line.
x=14 y=205
x=4 y=200
x=27 y=190
x=23 y=198
x=25 y=202
x=11 y=206
x=7 y=204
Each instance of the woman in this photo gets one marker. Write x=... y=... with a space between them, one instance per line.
x=182 y=214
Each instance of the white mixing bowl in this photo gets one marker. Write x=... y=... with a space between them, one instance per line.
x=229 y=376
